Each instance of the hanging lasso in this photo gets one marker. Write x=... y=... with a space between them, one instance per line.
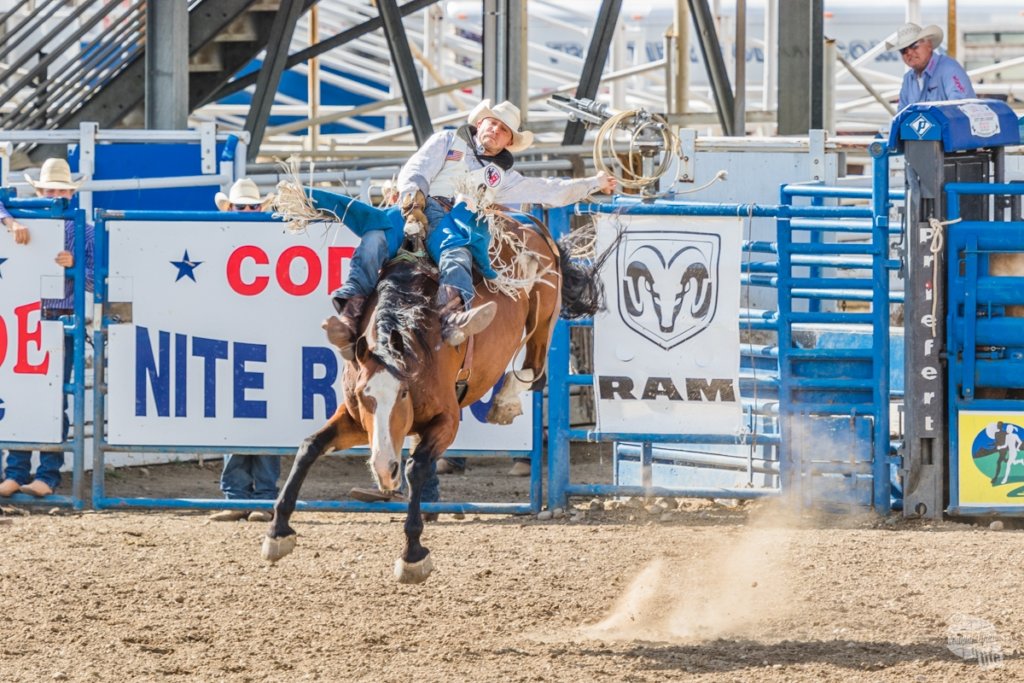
x=648 y=133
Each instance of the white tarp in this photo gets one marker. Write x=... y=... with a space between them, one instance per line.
x=225 y=346
x=31 y=350
x=666 y=352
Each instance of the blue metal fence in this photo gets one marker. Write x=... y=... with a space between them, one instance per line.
x=809 y=389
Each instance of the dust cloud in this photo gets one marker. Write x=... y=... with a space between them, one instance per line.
x=736 y=590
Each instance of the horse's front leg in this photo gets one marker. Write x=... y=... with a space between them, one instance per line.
x=340 y=432
x=415 y=565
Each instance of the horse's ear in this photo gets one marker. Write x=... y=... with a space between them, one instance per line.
x=397 y=342
x=362 y=349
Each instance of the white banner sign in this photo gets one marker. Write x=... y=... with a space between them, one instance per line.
x=666 y=352
x=31 y=350
x=225 y=346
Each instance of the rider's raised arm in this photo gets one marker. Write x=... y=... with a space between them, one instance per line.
x=518 y=189
x=425 y=164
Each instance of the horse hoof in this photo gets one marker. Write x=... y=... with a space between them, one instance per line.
x=416 y=572
x=504 y=413
x=276 y=548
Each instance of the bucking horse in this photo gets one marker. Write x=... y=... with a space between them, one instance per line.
x=404 y=381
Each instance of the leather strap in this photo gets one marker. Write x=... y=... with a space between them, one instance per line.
x=462 y=379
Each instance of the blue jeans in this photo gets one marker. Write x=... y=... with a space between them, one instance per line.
x=455 y=264
x=19 y=463
x=456 y=268
x=250 y=477
x=364 y=268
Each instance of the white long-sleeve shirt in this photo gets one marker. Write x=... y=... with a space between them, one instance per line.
x=430 y=160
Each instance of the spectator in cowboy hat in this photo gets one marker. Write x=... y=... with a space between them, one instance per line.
x=243 y=196
x=247 y=477
x=933 y=77
x=55 y=182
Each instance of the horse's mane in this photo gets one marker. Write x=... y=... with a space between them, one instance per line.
x=403 y=312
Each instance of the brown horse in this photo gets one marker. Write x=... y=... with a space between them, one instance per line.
x=403 y=378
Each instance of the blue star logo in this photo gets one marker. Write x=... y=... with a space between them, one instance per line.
x=1 y=263
x=186 y=267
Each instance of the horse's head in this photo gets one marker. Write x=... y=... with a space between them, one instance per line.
x=386 y=413
x=390 y=358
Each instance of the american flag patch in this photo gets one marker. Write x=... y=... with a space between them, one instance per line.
x=454 y=155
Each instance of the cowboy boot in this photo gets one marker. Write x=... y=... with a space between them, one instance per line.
x=343 y=330
x=458 y=324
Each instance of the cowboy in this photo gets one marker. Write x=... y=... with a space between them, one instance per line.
x=243 y=196
x=250 y=477
x=932 y=77
x=432 y=186
x=54 y=182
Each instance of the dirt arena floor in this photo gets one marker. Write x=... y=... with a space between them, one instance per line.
x=698 y=591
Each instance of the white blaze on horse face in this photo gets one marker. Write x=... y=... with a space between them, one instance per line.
x=388 y=431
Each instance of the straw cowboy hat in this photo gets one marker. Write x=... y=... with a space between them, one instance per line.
x=507 y=113
x=243 y=192
x=54 y=175
x=910 y=33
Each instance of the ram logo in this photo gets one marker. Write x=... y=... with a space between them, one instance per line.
x=668 y=284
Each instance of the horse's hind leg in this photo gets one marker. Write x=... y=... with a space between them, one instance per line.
x=540 y=324
x=415 y=564
x=340 y=432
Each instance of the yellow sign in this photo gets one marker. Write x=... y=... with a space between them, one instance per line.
x=991 y=458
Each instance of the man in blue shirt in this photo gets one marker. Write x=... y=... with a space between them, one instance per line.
x=932 y=77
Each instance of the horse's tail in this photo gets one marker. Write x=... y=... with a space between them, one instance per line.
x=582 y=290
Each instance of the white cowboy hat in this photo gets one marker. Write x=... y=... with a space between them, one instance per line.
x=507 y=113
x=54 y=175
x=243 y=192
x=910 y=33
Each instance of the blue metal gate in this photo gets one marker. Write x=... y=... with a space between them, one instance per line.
x=796 y=398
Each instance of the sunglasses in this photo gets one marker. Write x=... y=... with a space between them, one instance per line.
x=246 y=207
x=912 y=46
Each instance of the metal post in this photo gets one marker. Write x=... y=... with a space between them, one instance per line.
x=504 y=73
x=313 y=80
x=951 y=29
x=495 y=47
x=682 y=71
x=771 y=56
x=830 y=86
x=794 y=68
x=740 y=104
x=711 y=48
x=518 y=57
x=78 y=368
x=597 y=55
x=925 y=368
x=270 y=75
x=880 y=313
x=816 y=41
x=166 y=65
x=408 y=80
